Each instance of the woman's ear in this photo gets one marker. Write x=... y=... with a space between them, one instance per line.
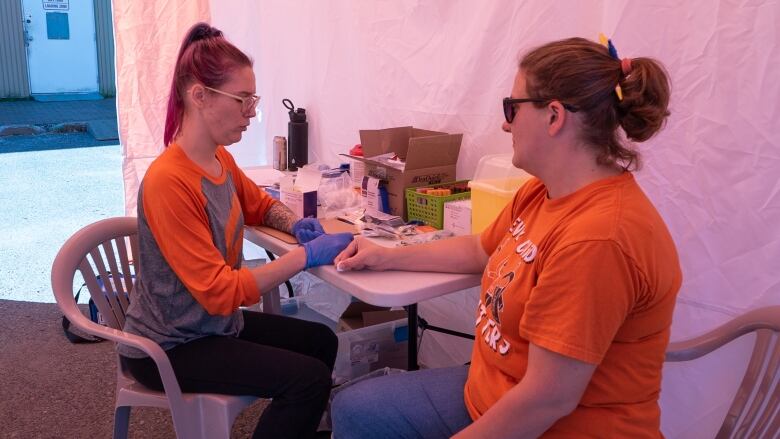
x=197 y=95
x=556 y=117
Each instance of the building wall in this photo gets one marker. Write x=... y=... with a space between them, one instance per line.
x=14 y=80
x=104 y=29
x=13 y=68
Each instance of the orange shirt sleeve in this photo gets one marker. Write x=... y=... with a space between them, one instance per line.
x=583 y=295
x=173 y=210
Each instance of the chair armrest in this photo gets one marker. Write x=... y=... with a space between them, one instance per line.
x=762 y=318
x=170 y=383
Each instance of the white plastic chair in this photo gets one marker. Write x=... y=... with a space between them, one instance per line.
x=101 y=249
x=755 y=410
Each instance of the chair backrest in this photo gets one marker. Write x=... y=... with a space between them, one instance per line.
x=105 y=253
x=755 y=411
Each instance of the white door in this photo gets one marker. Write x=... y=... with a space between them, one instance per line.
x=61 y=48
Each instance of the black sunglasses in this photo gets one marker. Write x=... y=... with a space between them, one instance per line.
x=509 y=106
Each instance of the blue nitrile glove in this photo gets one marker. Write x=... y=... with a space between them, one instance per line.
x=322 y=250
x=306 y=229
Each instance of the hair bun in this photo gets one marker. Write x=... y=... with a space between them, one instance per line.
x=644 y=109
x=202 y=31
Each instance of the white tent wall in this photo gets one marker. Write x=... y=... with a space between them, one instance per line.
x=147 y=35
x=445 y=65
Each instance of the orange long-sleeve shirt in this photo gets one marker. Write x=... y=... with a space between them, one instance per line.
x=190 y=231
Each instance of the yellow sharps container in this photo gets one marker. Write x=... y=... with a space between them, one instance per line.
x=494 y=185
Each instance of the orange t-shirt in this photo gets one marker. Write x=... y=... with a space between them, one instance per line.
x=593 y=276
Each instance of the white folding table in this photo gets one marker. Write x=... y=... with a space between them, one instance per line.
x=381 y=288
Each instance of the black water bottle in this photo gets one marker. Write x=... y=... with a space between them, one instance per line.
x=297 y=137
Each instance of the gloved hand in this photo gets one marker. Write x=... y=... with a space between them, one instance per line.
x=306 y=229
x=322 y=250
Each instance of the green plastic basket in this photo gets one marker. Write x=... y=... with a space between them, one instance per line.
x=430 y=208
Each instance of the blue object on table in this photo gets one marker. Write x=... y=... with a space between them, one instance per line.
x=273 y=192
x=384 y=198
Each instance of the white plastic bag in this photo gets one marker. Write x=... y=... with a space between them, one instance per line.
x=337 y=196
x=319 y=295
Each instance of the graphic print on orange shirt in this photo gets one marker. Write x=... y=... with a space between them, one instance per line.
x=493 y=305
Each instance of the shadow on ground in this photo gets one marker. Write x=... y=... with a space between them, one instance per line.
x=52 y=141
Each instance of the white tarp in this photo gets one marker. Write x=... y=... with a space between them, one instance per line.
x=147 y=35
x=445 y=65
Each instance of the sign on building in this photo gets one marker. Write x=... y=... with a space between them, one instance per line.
x=56 y=5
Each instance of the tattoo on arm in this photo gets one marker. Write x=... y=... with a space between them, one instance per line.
x=280 y=217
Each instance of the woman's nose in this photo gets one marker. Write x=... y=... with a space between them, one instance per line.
x=506 y=126
x=251 y=113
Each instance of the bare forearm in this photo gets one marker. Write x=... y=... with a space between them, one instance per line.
x=280 y=217
x=462 y=254
x=539 y=413
x=552 y=387
x=274 y=273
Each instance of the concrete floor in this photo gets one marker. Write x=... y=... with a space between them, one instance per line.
x=45 y=196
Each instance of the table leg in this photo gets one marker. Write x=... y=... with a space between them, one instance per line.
x=411 y=312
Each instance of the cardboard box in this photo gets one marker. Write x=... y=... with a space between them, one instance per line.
x=361 y=314
x=303 y=204
x=300 y=193
x=457 y=217
x=371 y=195
x=357 y=170
x=426 y=157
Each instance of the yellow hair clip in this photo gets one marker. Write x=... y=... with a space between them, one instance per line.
x=604 y=41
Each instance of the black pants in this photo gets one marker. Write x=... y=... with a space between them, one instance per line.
x=278 y=357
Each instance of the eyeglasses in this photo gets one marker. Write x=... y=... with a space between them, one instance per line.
x=247 y=103
x=509 y=106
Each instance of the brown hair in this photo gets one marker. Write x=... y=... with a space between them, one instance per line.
x=207 y=57
x=582 y=73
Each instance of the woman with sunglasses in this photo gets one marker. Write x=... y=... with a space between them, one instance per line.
x=192 y=205
x=580 y=274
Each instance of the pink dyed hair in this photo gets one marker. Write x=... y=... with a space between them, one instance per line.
x=207 y=57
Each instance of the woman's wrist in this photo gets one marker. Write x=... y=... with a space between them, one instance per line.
x=387 y=258
x=299 y=257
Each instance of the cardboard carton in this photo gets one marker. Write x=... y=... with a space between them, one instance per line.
x=360 y=314
x=303 y=204
x=300 y=193
x=371 y=195
x=426 y=157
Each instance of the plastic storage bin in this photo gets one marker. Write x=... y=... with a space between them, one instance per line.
x=430 y=208
x=494 y=185
x=369 y=348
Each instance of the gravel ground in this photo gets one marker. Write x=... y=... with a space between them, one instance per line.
x=45 y=196
x=51 y=141
x=50 y=388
